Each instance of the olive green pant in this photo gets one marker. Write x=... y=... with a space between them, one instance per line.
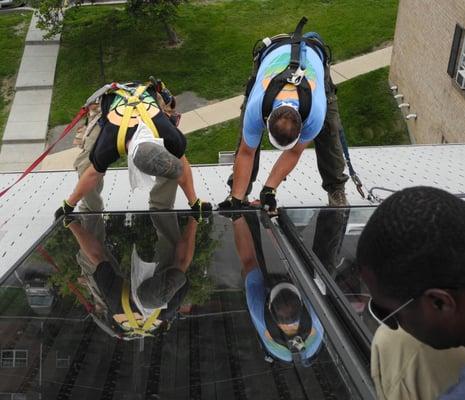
x=162 y=195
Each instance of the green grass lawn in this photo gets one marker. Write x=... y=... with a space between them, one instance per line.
x=369 y=115
x=13 y=29
x=215 y=58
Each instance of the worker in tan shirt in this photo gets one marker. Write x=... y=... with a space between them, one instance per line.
x=411 y=255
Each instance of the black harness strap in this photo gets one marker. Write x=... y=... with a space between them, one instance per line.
x=278 y=336
x=279 y=81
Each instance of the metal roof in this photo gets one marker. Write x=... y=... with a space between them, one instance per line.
x=26 y=211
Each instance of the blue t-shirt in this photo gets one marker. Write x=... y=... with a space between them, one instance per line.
x=255 y=292
x=273 y=64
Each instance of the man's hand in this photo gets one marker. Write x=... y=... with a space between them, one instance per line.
x=202 y=209
x=65 y=209
x=232 y=203
x=268 y=199
x=201 y=206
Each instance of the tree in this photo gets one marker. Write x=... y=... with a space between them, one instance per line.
x=163 y=11
x=50 y=14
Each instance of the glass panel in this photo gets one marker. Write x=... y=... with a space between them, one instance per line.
x=163 y=306
x=332 y=235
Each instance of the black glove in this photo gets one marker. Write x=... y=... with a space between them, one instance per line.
x=232 y=203
x=68 y=219
x=65 y=209
x=201 y=206
x=203 y=209
x=268 y=199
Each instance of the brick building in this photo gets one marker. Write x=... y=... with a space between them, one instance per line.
x=428 y=67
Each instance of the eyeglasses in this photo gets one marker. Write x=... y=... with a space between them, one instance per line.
x=383 y=316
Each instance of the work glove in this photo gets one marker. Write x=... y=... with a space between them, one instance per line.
x=65 y=209
x=268 y=199
x=203 y=208
x=233 y=203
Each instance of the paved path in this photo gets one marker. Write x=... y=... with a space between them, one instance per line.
x=27 y=125
x=229 y=109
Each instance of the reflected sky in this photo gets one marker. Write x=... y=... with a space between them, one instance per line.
x=139 y=305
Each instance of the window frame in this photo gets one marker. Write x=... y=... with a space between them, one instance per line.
x=15 y=359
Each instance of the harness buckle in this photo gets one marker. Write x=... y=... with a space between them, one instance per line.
x=296 y=78
x=297 y=343
x=133 y=101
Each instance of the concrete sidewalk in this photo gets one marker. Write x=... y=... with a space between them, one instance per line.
x=229 y=109
x=27 y=124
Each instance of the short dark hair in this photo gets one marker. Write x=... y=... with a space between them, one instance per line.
x=286 y=307
x=285 y=124
x=415 y=240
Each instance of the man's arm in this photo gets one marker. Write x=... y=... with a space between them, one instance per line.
x=242 y=171
x=285 y=164
x=186 y=246
x=88 y=243
x=88 y=181
x=245 y=245
x=186 y=181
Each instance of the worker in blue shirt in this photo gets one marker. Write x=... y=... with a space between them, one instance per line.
x=301 y=110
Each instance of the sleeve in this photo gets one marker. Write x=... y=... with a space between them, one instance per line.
x=253 y=125
x=315 y=121
x=104 y=153
x=173 y=138
x=256 y=297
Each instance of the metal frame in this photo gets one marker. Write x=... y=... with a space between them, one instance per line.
x=362 y=335
x=336 y=331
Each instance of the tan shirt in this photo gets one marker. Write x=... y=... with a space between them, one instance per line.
x=404 y=368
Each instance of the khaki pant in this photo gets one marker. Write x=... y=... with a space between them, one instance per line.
x=162 y=195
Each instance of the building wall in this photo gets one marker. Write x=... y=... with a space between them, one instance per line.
x=422 y=44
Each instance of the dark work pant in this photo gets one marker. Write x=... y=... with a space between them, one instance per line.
x=328 y=148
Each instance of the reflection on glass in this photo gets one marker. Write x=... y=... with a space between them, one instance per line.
x=69 y=311
x=134 y=295
x=287 y=326
x=332 y=234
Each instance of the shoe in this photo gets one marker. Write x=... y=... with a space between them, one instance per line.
x=337 y=199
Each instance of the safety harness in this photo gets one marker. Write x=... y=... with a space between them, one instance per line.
x=132 y=95
x=296 y=343
x=137 y=328
x=294 y=74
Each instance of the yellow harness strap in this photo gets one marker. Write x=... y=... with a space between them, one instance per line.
x=139 y=328
x=132 y=102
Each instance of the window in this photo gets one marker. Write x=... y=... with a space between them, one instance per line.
x=13 y=358
x=62 y=361
x=456 y=67
x=13 y=396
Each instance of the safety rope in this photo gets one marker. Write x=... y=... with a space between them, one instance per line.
x=82 y=113
x=353 y=175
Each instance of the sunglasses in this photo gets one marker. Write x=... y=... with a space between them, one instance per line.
x=386 y=317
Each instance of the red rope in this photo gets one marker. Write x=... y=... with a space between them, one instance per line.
x=82 y=112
